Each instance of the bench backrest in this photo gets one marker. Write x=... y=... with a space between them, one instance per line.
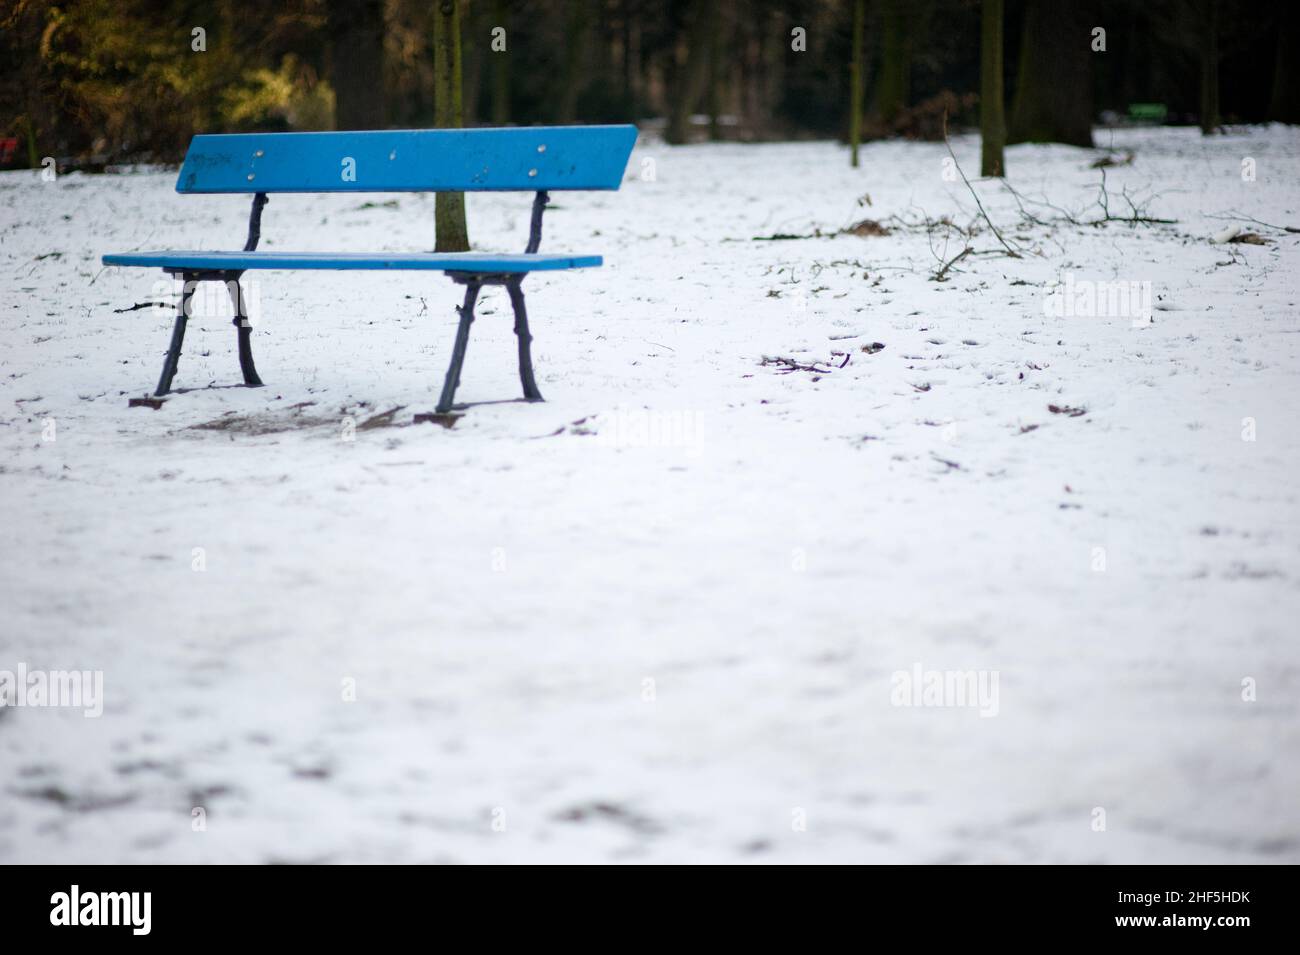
x=532 y=158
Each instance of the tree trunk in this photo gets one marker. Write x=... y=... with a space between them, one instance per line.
x=687 y=56
x=751 y=65
x=472 y=46
x=448 y=109
x=575 y=44
x=1053 y=102
x=893 y=87
x=631 y=59
x=713 y=84
x=764 y=40
x=356 y=30
x=1284 y=104
x=993 y=123
x=500 y=66
x=855 y=82
x=1209 y=11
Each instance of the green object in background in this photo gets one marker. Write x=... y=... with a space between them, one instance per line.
x=1147 y=112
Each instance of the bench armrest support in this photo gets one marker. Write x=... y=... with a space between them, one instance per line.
x=535 y=227
x=255 y=223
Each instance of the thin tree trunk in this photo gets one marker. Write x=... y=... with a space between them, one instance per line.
x=33 y=154
x=575 y=43
x=775 y=53
x=855 y=82
x=892 y=88
x=1284 y=104
x=1209 y=67
x=993 y=123
x=356 y=30
x=684 y=59
x=500 y=65
x=448 y=107
x=472 y=34
x=630 y=97
x=765 y=41
x=713 y=95
x=752 y=82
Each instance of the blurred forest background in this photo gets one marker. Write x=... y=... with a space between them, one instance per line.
x=92 y=81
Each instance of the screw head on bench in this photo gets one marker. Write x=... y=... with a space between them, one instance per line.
x=250 y=177
x=258 y=154
x=541 y=148
x=532 y=172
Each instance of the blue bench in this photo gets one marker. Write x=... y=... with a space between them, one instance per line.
x=535 y=159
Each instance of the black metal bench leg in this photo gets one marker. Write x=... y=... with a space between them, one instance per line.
x=245 y=334
x=178 y=338
x=458 y=351
x=515 y=288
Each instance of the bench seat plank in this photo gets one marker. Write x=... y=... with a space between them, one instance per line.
x=505 y=263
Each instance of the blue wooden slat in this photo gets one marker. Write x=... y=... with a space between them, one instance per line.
x=424 y=160
x=423 y=261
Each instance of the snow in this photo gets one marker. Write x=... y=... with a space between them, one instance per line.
x=657 y=617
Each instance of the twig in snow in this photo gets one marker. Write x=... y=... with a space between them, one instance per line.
x=940 y=275
x=1065 y=213
x=1231 y=215
x=382 y=420
x=1010 y=251
x=788 y=365
x=139 y=305
x=1139 y=212
x=1103 y=198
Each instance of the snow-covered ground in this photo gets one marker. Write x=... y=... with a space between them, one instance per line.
x=661 y=616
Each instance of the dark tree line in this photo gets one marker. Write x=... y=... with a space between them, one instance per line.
x=133 y=78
